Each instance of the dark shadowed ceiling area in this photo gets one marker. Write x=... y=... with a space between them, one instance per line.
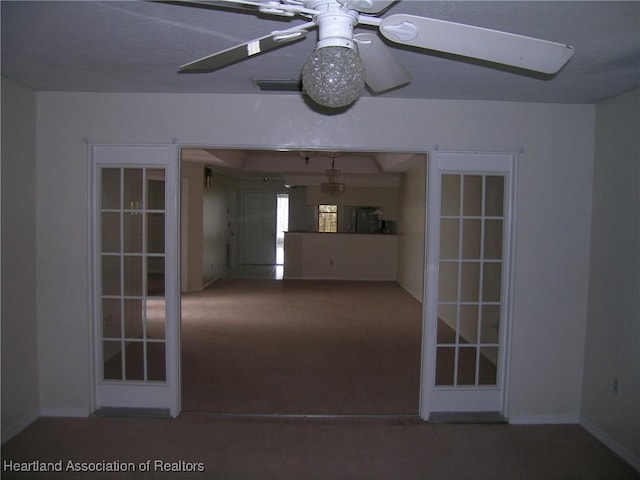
x=137 y=46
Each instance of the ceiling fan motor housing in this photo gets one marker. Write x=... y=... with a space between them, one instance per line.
x=335 y=24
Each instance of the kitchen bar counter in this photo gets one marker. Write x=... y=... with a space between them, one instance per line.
x=340 y=256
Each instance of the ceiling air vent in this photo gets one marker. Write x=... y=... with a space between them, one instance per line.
x=279 y=85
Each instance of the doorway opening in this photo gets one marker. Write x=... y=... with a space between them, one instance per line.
x=327 y=345
x=282 y=225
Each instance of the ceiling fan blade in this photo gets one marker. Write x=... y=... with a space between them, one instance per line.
x=476 y=42
x=241 y=52
x=383 y=72
x=368 y=6
x=282 y=9
x=214 y=4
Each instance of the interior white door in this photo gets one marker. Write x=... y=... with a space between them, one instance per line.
x=135 y=277
x=259 y=228
x=467 y=289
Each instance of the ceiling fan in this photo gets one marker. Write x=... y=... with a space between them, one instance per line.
x=343 y=61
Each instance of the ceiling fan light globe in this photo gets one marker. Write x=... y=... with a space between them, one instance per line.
x=333 y=76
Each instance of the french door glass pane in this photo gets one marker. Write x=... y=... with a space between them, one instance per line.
x=111 y=232
x=470 y=280
x=493 y=239
x=155 y=233
x=111 y=317
x=445 y=365
x=132 y=245
x=156 y=363
x=472 y=196
x=490 y=324
x=450 y=200
x=132 y=266
x=132 y=189
x=112 y=360
x=110 y=275
x=466 y=366
x=132 y=237
x=134 y=360
x=155 y=189
x=491 y=282
x=448 y=282
x=110 y=188
x=446 y=318
x=468 y=327
x=494 y=196
x=472 y=231
x=487 y=370
x=133 y=318
x=156 y=318
x=449 y=238
x=155 y=276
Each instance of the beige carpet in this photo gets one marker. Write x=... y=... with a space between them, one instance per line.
x=301 y=347
x=316 y=450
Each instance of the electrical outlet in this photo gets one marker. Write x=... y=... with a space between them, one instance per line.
x=615 y=385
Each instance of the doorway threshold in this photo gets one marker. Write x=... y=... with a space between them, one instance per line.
x=467 y=417
x=132 y=412
x=394 y=418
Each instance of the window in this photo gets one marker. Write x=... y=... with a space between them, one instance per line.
x=327 y=218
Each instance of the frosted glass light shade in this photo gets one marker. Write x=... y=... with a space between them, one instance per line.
x=333 y=76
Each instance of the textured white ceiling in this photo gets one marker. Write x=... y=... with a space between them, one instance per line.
x=137 y=46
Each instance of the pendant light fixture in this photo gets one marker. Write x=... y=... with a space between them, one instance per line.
x=334 y=75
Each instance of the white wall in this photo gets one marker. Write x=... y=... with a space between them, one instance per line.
x=194 y=172
x=19 y=335
x=554 y=202
x=297 y=209
x=613 y=328
x=411 y=229
x=216 y=211
x=343 y=256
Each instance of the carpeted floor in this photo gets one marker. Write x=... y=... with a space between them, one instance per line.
x=236 y=449
x=301 y=347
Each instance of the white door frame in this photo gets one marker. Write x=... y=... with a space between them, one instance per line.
x=156 y=395
x=463 y=162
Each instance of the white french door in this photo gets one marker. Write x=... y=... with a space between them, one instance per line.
x=467 y=287
x=135 y=277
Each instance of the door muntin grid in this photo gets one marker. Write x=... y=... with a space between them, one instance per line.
x=470 y=280
x=132 y=306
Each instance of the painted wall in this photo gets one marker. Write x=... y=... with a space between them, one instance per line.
x=194 y=172
x=297 y=209
x=411 y=229
x=553 y=224
x=341 y=256
x=613 y=327
x=19 y=334
x=216 y=226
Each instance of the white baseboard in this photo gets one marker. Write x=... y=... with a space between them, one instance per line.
x=621 y=451
x=17 y=427
x=543 y=419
